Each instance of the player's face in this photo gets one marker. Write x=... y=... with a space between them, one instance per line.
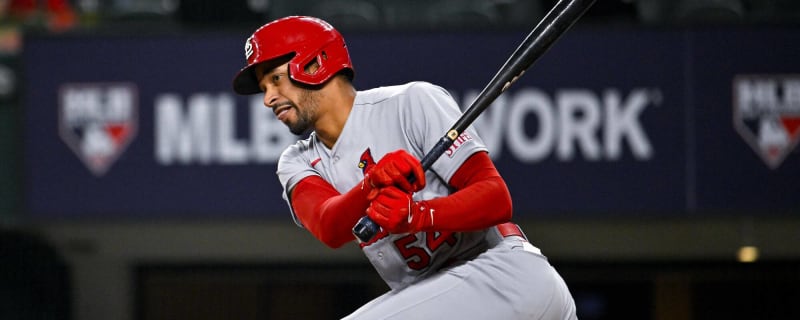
x=295 y=106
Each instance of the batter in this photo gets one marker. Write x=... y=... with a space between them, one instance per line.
x=447 y=246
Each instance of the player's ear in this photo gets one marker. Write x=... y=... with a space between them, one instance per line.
x=312 y=67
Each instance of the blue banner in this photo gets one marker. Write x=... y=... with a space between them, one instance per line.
x=609 y=122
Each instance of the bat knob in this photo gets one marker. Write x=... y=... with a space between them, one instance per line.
x=365 y=229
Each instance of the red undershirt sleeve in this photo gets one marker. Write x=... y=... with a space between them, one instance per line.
x=481 y=198
x=327 y=214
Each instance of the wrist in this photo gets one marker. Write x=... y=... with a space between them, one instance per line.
x=424 y=216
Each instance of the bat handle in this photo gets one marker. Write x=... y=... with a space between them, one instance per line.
x=365 y=229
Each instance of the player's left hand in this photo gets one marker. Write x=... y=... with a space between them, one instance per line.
x=394 y=169
x=396 y=211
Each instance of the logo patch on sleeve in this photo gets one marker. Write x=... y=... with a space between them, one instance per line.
x=462 y=139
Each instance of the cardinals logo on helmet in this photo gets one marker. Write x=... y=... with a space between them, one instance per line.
x=248 y=48
x=98 y=121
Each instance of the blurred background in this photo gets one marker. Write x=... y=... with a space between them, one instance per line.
x=651 y=155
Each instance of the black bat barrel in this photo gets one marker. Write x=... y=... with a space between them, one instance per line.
x=554 y=24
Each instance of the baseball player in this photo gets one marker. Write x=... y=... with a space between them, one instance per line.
x=446 y=246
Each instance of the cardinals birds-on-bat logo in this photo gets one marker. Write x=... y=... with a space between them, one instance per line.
x=366 y=161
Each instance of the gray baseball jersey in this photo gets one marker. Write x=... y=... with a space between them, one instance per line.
x=488 y=276
x=412 y=117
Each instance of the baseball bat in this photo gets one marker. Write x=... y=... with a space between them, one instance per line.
x=554 y=24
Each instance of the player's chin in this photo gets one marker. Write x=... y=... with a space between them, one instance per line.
x=297 y=128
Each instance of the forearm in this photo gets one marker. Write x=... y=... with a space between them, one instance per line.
x=479 y=205
x=482 y=199
x=326 y=213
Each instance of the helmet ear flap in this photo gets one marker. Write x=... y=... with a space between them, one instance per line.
x=321 y=67
x=299 y=66
x=310 y=68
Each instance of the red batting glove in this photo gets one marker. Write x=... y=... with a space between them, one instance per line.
x=394 y=169
x=395 y=211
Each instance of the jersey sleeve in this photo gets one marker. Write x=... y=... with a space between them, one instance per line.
x=294 y=164
x=430 y=113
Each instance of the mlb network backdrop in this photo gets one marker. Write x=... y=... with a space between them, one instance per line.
x=652 y=122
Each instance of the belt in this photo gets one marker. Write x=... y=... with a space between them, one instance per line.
x=509 y=229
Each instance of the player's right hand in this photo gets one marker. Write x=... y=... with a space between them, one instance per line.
x=395 y=169
x=396 y=211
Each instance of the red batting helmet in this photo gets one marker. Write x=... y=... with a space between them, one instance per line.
x=308 y=39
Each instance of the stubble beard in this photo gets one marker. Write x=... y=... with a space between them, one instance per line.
x=305 y=116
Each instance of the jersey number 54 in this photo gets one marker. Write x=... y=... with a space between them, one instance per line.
x=418 y=255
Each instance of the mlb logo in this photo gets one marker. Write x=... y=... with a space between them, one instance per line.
x=98 y=121
x=766 y=113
